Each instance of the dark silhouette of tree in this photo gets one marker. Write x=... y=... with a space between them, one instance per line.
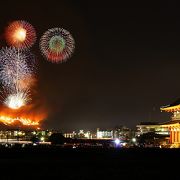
x=57 y=138
x=151 y=138
x=34 y=139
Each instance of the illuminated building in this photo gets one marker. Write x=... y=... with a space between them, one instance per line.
x=173 y=108
x=174 y=124
x=80 y=135
x=152 y=134
x=15 y=135
x=70 y=135
x=104 y=134
x=88 y=135
x=170 y=129
x=147 y=127
x=122 y=133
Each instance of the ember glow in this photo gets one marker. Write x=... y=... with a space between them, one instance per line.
x=28 y=115
x=26 y=122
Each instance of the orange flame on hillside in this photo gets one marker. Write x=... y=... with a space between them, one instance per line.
x=29 y=115
x=26 y=122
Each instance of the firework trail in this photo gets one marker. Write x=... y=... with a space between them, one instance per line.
x=15 y=66
x=16 y=70
x=57 y=45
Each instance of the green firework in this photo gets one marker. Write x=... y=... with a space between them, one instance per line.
x=57 y=44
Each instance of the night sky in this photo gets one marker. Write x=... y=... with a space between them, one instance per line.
x=125 y=66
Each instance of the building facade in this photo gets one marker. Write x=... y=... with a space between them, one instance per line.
x=174 y=125
x=104 y=134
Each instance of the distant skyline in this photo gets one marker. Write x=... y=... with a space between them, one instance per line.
x=124 y=68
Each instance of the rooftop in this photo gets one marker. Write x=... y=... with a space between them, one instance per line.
x=175 y=106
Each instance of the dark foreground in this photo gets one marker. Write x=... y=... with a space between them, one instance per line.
x=81 y=164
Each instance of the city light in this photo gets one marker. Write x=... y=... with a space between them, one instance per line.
x=42 y=139
x=134 y=140
x=117 y=141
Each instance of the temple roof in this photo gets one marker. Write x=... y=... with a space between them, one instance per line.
x=177 y=102
x=173 y=123
x=175 y=106
x=170 y=122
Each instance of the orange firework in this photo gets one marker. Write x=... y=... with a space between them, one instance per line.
x=20 y=34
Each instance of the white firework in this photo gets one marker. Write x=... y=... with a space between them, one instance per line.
x=16 y=74
x=17 y=100
x=15 y=66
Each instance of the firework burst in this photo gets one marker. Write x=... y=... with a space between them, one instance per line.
x=15 y=66
x=57 y=44
x=20 y=34
x=17 y=100
x=16 y=74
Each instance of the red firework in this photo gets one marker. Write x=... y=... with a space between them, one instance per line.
x=57 y=45
x=54 y=57
x=20 y=34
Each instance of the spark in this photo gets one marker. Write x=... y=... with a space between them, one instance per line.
x=15 y=66
x=16 y=101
